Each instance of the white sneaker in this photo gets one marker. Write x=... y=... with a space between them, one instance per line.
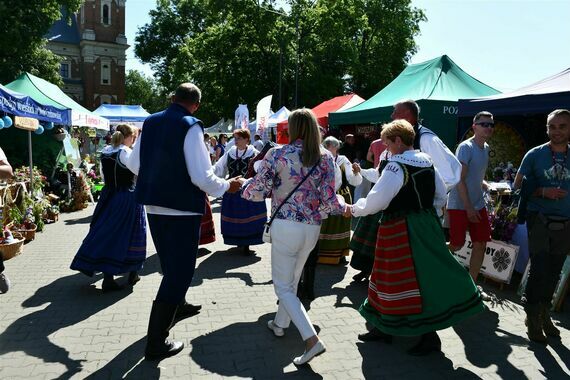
x=307 y=356
x=4 y=283
x=484 y=296
x=277 y=331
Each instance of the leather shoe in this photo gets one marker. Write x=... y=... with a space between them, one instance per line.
x=111 y=286
x=170 y=348
x=307 y=356
x=134 y=278
x=428 y=343
x=375 y=335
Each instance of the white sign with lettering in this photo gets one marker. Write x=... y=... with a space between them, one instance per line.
x=499 y=261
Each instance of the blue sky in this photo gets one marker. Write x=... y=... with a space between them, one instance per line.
x=506 y=44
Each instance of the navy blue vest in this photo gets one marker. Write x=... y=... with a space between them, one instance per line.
x=420 y=131
x=163 y=178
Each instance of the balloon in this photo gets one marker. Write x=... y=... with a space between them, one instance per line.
x=40 y=130
x=7 y=121
x=1 y=123
x=49 y=126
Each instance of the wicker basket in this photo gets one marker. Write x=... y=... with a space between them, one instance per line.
x=13 y=249
x=28 y=234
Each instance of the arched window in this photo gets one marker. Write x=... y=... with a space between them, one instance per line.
x=106 y=99
x=106 y=13
x=105 y=73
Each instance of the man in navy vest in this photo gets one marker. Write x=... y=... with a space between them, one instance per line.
x=174 y=176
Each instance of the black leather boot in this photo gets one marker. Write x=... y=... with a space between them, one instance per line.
x=533 y=323
x=157 y=346
x=428 y=343
x=185 y=310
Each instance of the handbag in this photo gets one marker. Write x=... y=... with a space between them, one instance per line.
x=266 y=237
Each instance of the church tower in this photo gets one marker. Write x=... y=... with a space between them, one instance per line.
x=93 y=48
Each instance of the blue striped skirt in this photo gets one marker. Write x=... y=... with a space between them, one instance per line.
x=116 y=241
x=242 y=220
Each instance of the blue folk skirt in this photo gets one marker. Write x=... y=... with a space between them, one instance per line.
x=116 y=241
x=242 y=220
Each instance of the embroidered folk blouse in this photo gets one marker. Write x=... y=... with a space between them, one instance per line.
x=280 y=172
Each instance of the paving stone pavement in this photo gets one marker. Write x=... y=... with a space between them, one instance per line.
x=57 y=324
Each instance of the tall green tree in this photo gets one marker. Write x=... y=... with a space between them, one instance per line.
x=142 y=90
x=239 y=51
x=24 y=25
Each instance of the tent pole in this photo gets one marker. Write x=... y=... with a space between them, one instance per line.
x=31 y=163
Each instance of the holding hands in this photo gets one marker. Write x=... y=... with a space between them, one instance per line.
x=235 y=184
x=356 y=168
x=348 y=210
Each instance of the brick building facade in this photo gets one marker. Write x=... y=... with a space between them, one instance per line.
x=93 y=50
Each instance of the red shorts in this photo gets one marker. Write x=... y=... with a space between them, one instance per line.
x=459 y=224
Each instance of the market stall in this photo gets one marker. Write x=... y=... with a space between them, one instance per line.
x=23 y=210
x=122 y=114
x=436 y=85
x=322 y=112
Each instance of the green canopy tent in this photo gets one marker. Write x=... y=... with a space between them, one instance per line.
x=49 y=94
x=436 y=85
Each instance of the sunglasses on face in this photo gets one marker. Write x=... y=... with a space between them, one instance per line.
x=485 y=124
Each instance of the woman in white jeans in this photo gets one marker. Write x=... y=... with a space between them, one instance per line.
x=295 y=229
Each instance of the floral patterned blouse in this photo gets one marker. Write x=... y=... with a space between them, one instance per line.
x=278 y=174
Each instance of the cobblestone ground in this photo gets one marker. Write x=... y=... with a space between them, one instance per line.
x=55 y=323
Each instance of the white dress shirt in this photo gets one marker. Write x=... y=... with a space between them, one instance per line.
x=444 y=160
x=353 y=179
x=199 y=168
x=392 y=180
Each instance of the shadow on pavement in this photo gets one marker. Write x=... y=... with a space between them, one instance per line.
x=70 y=302
x=250 y=350
x=220 y=263
x=85 y=220
x=390 y=361
x=486 y=344
x=129 y=364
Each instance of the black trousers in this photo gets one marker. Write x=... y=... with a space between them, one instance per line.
x=176 y=241
x=548 y=250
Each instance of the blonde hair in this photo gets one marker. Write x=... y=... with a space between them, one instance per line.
x=399 y=128
x=303 y=125
x=121 y=133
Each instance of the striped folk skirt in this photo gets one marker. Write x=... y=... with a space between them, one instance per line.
x=446 y=293
x=242 y=220
x=334 y=238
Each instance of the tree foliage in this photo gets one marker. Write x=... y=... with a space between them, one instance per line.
x=142 y=90
x=24 y=24
x=232 y=49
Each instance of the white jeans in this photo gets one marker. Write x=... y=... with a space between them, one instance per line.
x=291 y=244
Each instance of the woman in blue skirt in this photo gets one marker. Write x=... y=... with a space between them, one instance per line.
x=242 y=220
x=116 y=241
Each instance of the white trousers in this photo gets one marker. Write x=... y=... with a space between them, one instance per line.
x=291 y=244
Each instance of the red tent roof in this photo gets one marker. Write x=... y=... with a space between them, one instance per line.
x=322 y=111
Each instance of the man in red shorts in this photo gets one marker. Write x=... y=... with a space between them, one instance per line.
x=466 y=206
